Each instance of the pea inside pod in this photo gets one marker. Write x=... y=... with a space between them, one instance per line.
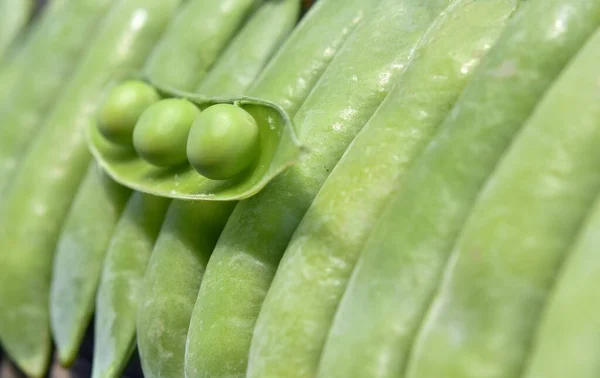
x=161 y=133
x=122 y=109
x=234 y=147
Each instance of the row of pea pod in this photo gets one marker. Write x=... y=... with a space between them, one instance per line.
x=422 y=203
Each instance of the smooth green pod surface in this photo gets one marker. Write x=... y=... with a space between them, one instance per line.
x=566 y=341
x=161 y=133
x=172 y=280
x=191 y=229
x=42 y=78
x=245 y=258
x=198 y=44
x=14 y=15
x=79 y=257
x=250 y=50
x=42 y=191
x=122 y=108
x=12 y=66
x=120 y=285
x=279 y=148
x=500 y=271
x=313 y=273
x=403 y=258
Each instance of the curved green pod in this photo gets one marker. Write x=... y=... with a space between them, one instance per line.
x=245 y=258
x=279 y=149
x=79 y=257
x=12 y=65
x=42 y=191
x=121 y=283
x=509 y=252
x=403 y=258
x=566 y=340
x=317 y=263
x=14 y=15
x=171 y=282
x=191 y=228
x=203 y=30
x=251 y=49
x=42 y=77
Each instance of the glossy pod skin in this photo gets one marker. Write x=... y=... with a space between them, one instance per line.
x=245 y=258
x=190 y=230
x=120 y=284
x=318 y=261
x=198 y=44
x=532 y=207
x=42 y=191
x=14 y=15
x=405 y=253
x=43 y=78
x=79 y=257
x=571 y=317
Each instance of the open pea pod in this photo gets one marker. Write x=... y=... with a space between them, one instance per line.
x=279 y=148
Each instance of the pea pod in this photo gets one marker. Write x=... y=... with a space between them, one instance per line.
x=248 y=53
x=405 y=253
x=531 y=207
x=278 y=146
x=13 y=63
x=42 y=77
x=199 y=43
x=245 y=258
x=120 y=284
x=79 y=256
x=42 y=191
x=318 y=261
x=191 y=229
x=571 y=314
x=14 y=17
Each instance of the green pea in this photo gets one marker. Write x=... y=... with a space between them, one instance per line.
x=161 y=132
x=122 y=109
x=223 y=141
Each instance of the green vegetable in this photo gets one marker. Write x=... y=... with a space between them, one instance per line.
x=248 y=53
x=203 y=30
x=43 y=75
x=14 y=15
x=223 y=142
x=79 y=257
x=121 y=282
x=122 y=108
x=505 y=261
x=115 y=336
x=566 y=341
x=75 y=319
x=191 y=229
x=405 y=253
x=161 y=133
x=279 y=148
x=312 y=275
x=13 y=64
x=171 y=283
x=244 y=261
x=42 y=191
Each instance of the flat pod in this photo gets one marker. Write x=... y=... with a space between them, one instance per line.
x=278 y=144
